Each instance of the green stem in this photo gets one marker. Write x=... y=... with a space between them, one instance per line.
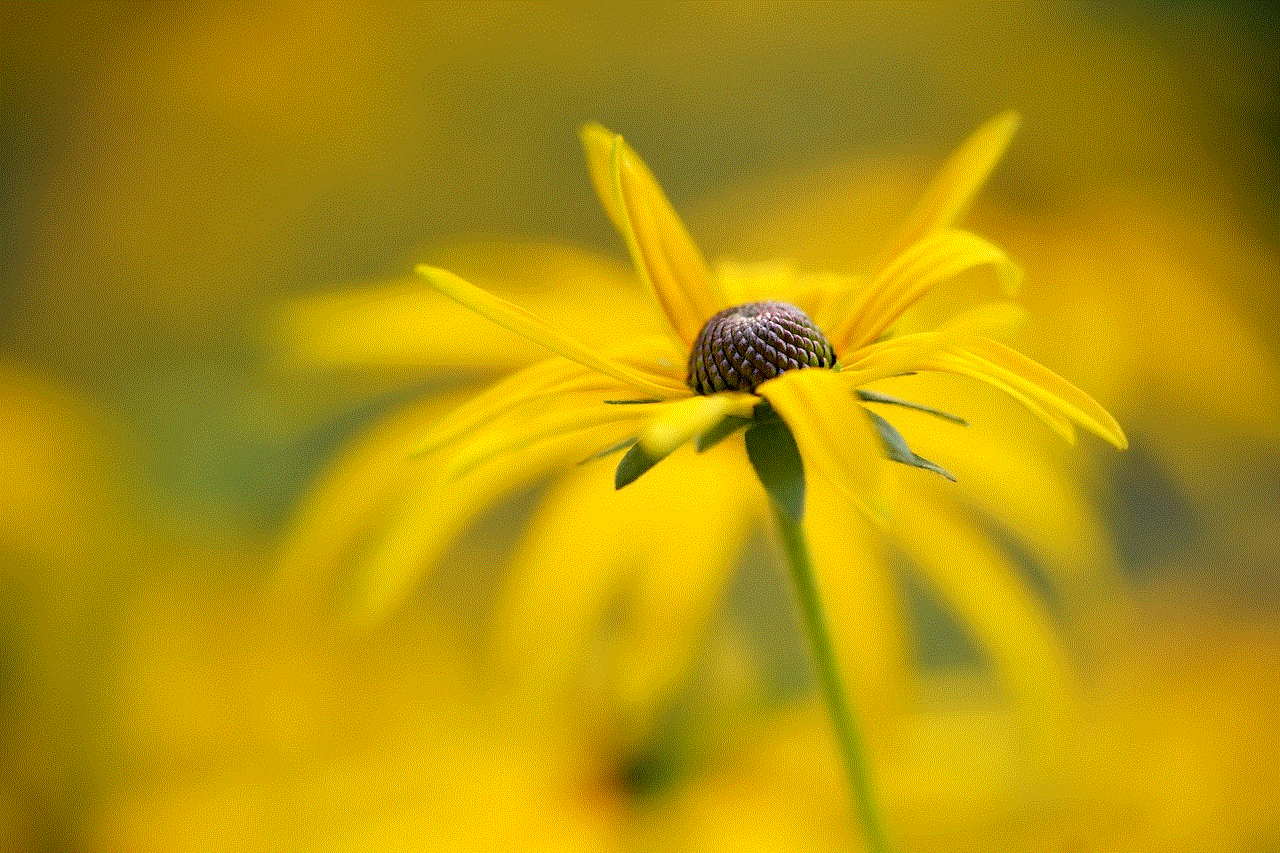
x=824 y=656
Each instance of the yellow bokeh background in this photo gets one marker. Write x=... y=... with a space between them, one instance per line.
x=173 y=174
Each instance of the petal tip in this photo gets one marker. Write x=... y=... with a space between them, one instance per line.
x=595 y=136
x=1009 y=121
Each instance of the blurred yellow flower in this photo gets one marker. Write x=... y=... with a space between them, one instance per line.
x=1168 y=757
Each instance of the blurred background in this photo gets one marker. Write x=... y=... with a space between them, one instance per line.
x=173 y=173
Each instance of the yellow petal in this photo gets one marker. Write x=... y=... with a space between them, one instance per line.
x=402 y=324
x=680 y=421
x=894 y=356
x=692 y=545
x=538 y=380
x=563 y=577
x=437 y=510
x=570 y=414
x=523 y=323
x=349 y=498
x=957 y=183
x=1046 y=509
x=837 y=303
x=390 y=326
x=597 y=142
x=833 y=433
x=864 y=602
x=1018 y=485
x=964 y=365
x=987 y=318
x=780 y=279
x=933 y=259
x=985 y=591
x=1033 y=384
x=906 y=353
x=665 y=545
x=666 y=258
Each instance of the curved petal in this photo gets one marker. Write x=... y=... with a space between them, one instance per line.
x=570 y=415
x=933 y=259
x=523 y=323
x=668 y=261
x=894 y=356
x=1018 y=485
x=679 y=421
x=906 y=353
x=864 y=602
x=597 y=142
x=1059 y=526
x=347 y=500
x=662 y=548
x=401 y=324
x=544 y=381
x=437 y=509
x=987 y=594
x=1031 y=383
x=680 y=583
x=837 y=303
x=956 y=184
x=391 y=326
x=952 y=362
x=833 y=433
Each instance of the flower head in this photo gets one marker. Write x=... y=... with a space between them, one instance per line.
x=802 y=354
x=746 y=345
x=741 y=348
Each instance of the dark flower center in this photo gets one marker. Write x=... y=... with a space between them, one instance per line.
x=745 y=345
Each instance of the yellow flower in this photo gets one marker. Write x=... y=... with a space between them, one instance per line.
x=738 y=337
x=546 y=417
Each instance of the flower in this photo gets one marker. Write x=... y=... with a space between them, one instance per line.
x=802 y=354
x=678 y=529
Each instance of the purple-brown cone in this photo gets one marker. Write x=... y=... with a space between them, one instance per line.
x=748 y=344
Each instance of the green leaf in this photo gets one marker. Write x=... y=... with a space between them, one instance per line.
x=632 y=465
x=720 y=432
x=773 y=453
x=869 y=396
x=895 y=447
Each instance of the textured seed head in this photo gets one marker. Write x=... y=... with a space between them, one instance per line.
x=745 y=345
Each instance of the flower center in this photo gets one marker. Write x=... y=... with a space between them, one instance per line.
x=745 y=345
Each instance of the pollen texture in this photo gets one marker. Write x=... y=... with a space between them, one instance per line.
x=748 y=344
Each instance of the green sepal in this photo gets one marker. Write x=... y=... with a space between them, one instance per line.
x=776 y=460
x=895 y=447
x=869 y=396
x=763 y=412
x=636 y=461
x=720 y=432
x=610 y=450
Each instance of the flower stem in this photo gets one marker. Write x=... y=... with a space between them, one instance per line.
x=824 y=657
